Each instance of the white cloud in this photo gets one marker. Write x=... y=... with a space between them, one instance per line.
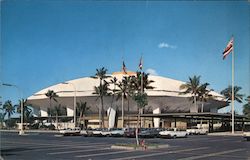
x=152 y=72
x=166 y=45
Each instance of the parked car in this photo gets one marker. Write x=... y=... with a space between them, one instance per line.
x=148 y=133
x=158 y=130
x=173 y=133
x=106 y=132
x=90 y=132
x=97 y=132
x=130 y=132
x=196 y=130
x=117 y=132
x=87 y=132
x=246 y=133
x=71 y=131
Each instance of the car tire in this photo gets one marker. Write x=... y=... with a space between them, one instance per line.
x=174 y=137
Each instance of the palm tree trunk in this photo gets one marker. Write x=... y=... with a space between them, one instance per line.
x=202 y=105
x=128 y=111
x=56 y=120
x=50 y=111
x=195 y=104
x=137 y=128
x=122 y=111
x=79 y=120
x=83 y=119
x=102 y=114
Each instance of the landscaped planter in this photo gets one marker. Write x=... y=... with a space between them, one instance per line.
x=135 y=147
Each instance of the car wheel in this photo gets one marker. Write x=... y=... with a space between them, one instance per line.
x=174 y=136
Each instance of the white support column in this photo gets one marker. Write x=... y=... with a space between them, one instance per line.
x=111 y=113
x=44 y=113
x=70 y=112
x=157 y=120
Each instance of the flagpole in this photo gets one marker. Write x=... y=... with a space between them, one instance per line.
x=232 y=90
x=141 y=110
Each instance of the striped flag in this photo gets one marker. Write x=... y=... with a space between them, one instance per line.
x=124 y=67
x=140 y=64
x=228 y=49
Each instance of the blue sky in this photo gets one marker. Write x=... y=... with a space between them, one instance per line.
x=47 y=42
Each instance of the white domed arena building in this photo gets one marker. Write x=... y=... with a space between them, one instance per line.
x=166 y=106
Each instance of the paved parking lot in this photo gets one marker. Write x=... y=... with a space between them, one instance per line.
x=48 y=146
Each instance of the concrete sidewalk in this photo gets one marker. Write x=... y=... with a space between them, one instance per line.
x=236 y=133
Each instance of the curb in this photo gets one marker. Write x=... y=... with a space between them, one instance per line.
x=225 y=134
x=139 y=148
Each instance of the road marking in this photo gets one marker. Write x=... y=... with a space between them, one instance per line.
x=161 y=153
x=59 y=148
x=102 y=154
x=49 y=144
x=218 y=140
x=193 y=139
x=211 y=154
x=75 y=151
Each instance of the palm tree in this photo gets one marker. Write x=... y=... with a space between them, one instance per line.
x=50 y=111
x=26 y=110
x=122 y=93
x=113 y=92
x=81 y=109
x=192 y=87
x=141 y=100
x=246 y=107
x=101 y=90
x=52 y=96
x=1 y=119
x=113 y=82
x=138 y=94
x=126 y=90
x=58 y=111
x=8 y=108
x=136 y=82
x=228 y=94
x=203 y=94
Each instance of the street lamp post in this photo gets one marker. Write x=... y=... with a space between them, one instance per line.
x=21 y=132
x=74 y=100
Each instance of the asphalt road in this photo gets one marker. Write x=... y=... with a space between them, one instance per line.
x=47 y=146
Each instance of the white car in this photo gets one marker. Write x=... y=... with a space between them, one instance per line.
x=196 y=130
x=97 y=132
x=247 y=135
x=173 y=133
x=84 y=132
x=70 y=131
x=117 y=132
x=106 y=132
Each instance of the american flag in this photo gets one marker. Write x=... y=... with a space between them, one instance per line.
x=140 y=64
x=124 y=68
x=229 y=48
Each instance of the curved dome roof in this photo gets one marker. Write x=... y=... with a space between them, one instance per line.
x=85 y=87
